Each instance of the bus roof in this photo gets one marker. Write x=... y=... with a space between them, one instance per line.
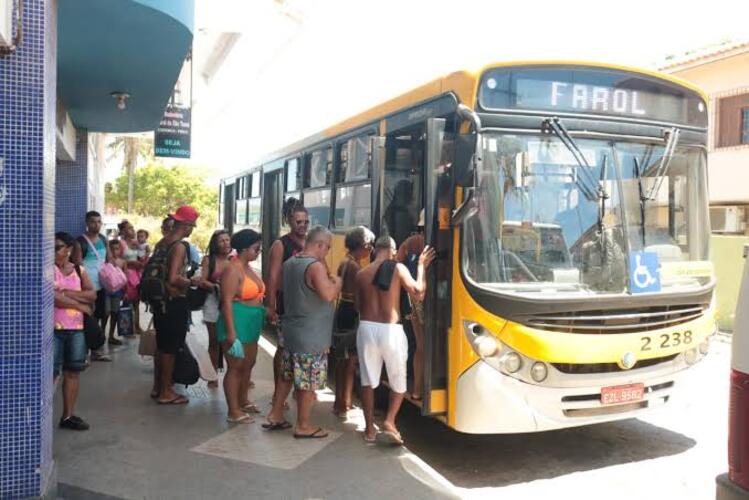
x=464 y=84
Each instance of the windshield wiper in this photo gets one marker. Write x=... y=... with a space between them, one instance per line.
x=586 y=182
x=603 y=194
x=672 y=139
x=643 y=198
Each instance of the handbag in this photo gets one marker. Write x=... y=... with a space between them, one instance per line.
x=112 y=278
x=345 y=325
x=147 y=343
x=95 y=337
x=125 y=320
x=186 y=369
x=196 y=298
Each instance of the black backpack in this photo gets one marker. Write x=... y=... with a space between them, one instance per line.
x=186 y=370
x=153 y=282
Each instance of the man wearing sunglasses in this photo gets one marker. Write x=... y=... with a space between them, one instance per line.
x=287 y=246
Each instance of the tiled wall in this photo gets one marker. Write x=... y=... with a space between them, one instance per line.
x=27 y=206
x=72 y=197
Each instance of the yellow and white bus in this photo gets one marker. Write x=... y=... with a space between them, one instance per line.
x=568 y=205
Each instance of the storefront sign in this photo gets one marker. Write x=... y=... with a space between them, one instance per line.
x=172 y=138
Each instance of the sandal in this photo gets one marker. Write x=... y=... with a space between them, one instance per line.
x=244 y=419
x=370 y=439
x=251 y=408
x=179 y=400
x=390 y=438
x=114 y=342
x=317 y=434
x=276 y=426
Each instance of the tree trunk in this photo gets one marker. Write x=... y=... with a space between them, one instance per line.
x=131 y=159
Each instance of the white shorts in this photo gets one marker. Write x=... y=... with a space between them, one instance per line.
x=382 y=342
x=210 y=309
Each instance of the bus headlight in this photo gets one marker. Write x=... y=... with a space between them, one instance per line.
x=512 y=362
x=482 y=342
x=486 y=346
x=539 y=372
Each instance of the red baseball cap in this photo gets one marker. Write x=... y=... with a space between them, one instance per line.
x=185 y=213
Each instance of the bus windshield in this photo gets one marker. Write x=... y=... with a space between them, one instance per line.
x=546 y=222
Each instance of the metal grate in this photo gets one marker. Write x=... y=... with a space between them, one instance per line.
x=618 y=321
x=577 y=369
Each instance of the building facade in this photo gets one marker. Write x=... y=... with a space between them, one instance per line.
x=723 y=72
x=59 y=83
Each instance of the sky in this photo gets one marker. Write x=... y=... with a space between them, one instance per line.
x=303 y=65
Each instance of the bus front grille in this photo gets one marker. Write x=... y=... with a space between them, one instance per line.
x=583 y=368
x=618 y=321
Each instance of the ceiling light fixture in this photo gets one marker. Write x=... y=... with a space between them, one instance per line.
x=121 y=98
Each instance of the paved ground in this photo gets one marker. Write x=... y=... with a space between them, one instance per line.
x=138 y=450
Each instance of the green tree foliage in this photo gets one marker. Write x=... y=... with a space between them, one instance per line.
x=159 y=190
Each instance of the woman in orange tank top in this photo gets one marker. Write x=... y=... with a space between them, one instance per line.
x=242 y=317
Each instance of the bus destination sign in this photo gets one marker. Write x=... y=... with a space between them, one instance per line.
x=591 y=91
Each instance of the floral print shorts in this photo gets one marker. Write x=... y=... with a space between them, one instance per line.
x=308 y=371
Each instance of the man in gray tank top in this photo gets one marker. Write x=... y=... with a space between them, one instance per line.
x=309 y=292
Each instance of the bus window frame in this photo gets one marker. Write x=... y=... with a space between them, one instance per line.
x=342 y=141
x=299 y=178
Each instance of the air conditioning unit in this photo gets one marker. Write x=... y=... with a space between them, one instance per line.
x=6 y=20
x=728 y=219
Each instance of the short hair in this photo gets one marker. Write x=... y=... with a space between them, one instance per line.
x=122 y=225
x=114 y=243
x=91 y=214
x=318 y=233
x=243 y=239
x=358 y=238
x=385 y=243
x=142 y=231
x=65 y=238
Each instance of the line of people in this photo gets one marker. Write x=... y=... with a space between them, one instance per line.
x=357 y=311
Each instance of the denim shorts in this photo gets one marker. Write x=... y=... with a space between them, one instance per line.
x=70 y=351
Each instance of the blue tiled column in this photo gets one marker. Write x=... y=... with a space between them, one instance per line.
x=71 y=189
x=27 y=204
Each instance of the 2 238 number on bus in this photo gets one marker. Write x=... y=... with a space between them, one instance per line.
x=666 y=340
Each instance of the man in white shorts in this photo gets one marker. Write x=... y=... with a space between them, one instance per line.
x=380 y=337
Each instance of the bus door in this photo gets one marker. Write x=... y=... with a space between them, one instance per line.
x=228 y=207
x=272 y=206
x=438 y=198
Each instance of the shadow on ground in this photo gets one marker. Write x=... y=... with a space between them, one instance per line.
x=475 y=461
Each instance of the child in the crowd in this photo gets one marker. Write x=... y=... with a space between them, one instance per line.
x=114 y=300
x=144 y=249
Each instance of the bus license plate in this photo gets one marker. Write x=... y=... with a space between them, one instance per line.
x=622 y=394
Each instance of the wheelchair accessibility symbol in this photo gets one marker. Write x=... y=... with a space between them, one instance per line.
x=644 y=272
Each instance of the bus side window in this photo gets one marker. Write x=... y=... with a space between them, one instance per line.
x=404 y=167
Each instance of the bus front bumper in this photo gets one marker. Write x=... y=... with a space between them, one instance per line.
x=489 y=402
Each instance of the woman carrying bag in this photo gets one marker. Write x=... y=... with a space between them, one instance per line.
x=359 y=245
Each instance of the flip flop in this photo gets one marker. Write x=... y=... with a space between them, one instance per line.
x=154 y=394
x=276 y=426
x=317 y=434
x=179 y=400
x=368 y=439
x=390 y=438
x=415 y=397
x=244 y=419
x=251 y=408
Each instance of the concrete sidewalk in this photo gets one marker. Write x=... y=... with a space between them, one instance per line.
x=140 y=450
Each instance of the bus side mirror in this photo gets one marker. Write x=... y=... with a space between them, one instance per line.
x=467 y=159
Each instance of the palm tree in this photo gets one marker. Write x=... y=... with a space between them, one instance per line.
x=131 y=148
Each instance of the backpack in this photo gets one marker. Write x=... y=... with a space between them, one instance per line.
x=186 y=369
x=152 y=286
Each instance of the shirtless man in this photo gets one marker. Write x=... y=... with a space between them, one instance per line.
x=380 y=337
